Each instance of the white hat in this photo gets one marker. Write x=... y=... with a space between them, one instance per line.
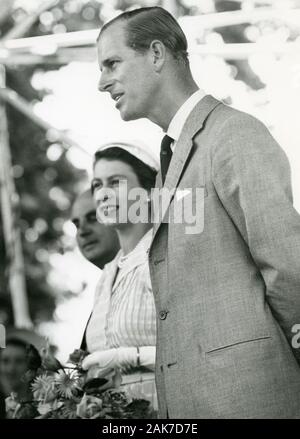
x=134 y=149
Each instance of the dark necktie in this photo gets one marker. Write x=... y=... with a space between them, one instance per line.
x=165 y=156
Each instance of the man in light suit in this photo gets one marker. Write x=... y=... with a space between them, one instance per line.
x=228 y=293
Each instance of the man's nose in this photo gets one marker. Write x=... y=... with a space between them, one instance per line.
x=105 y=82
x=84 y=229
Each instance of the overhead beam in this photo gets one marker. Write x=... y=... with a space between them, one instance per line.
x=232 y=18
x=240 y=51
x=49 y=44
x=236 y=51
x=53 y=41
x=61 y=57
x=11 y=97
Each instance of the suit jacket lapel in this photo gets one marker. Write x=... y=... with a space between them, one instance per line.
x=193 y=125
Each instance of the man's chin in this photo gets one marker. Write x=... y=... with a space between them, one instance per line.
x=90 y=255
x=127 y=116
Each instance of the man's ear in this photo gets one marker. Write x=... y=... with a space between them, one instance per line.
x=158 y=53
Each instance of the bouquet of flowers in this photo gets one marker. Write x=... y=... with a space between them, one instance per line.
x=69 y=392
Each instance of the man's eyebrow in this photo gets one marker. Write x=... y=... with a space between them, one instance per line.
x=117 y=175
x=110 y=177
x=106 y=62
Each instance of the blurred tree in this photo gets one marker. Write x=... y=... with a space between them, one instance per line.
x=230 y=34
x=46 y=186
x=236 y=34
x=7 y=7
x=46 y=189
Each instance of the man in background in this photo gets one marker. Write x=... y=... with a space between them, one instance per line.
x=16 y=359
x=226 y=289
x=98 y=244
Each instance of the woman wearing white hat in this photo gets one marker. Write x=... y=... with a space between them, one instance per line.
x=121 y=333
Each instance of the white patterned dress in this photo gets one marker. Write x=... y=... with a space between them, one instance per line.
x=124 y=314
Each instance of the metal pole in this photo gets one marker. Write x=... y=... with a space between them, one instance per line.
x=11 y=231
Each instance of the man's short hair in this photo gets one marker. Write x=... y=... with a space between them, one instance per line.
x=144 y=25
x=33 y=357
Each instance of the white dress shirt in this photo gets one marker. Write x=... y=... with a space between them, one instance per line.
x=178 y=121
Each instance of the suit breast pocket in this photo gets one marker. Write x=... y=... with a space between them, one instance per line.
x=188 y=208
x=241 y=352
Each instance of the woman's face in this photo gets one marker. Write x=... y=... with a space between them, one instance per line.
x=115 y=186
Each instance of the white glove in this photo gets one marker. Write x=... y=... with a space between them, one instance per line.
x=147 y=357
x=123 y=358
x=111 y=358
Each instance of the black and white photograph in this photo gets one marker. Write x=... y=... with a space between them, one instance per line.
x=150 y=213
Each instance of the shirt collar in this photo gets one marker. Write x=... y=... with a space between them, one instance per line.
x=138 y=256
x=178 y=121
x=140 y=251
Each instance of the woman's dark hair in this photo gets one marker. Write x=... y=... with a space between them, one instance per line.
x=144 y=25
x=145 y=174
